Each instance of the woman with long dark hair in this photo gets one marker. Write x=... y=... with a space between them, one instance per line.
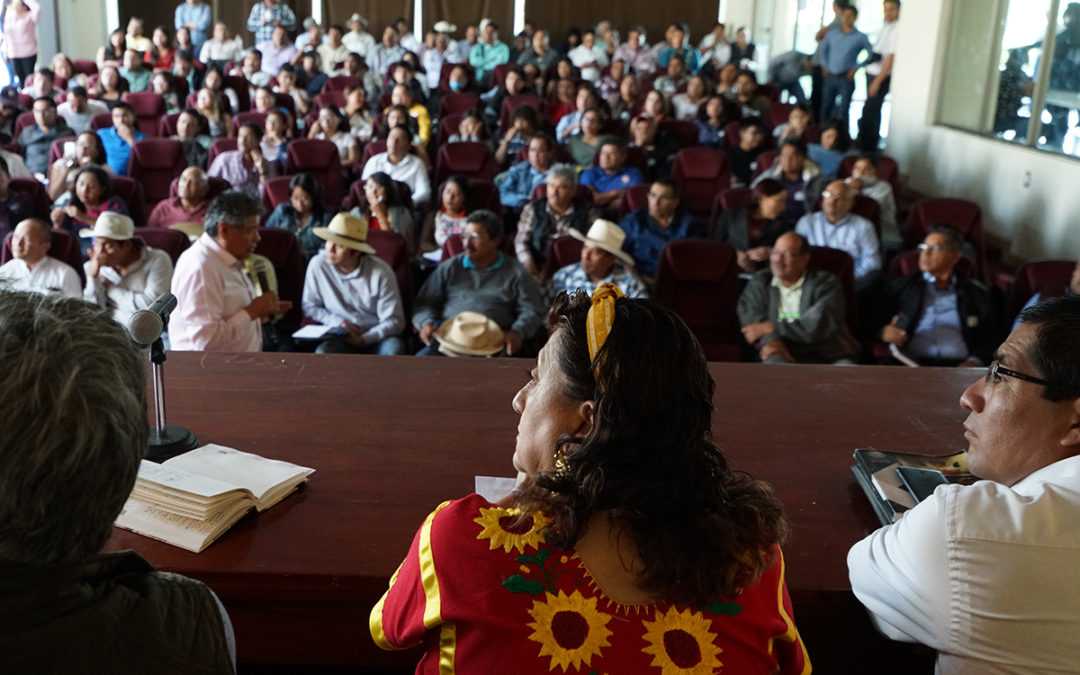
x=630 y=545
x=302 y=213
x=93 y=194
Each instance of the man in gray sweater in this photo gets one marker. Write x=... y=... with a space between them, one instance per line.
x=482 y=279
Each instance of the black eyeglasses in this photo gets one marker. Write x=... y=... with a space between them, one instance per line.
x=997 y=370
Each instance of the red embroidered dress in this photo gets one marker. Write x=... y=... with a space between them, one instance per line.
x=485 y=596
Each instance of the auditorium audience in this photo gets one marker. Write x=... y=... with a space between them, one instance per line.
x=792 y=313
x=547 y=218
x=119 y=138
x=93 y=194
x=123 y=274
x=938 y=316
x=523 y=177
x=484 y=280
x=612 y=176
x=110 y=87
x=602 y=261
x=836 y=227
x=216 y=306
x=190 y=203
x=652 y=227
x=191 y=129
x=386 y=209
x=797 y=174
x=754 y=228
x=74 y=402
x=448 y=219
x=401 y=165
x=245 y=168
x=85 y=151
x=348 y=286
x=36 y=140
x=31 y=268
x=864 y=178
x=712 y=120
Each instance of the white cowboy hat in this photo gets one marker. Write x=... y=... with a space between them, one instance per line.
x=357 y=18
x=444 y=27
x=608 y=236
x=470 y=334
x=111 y=225
x=348 y=231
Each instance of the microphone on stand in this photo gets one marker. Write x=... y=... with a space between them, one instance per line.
x=146 y=326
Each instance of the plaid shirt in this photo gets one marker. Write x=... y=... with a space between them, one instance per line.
x=572 y=277
x=280 y=13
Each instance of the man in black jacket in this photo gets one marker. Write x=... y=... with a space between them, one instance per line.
x=940 y=317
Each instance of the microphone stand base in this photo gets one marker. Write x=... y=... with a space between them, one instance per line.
x=172 y=441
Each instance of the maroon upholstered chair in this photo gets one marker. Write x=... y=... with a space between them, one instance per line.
x=683 y=132
x=635 y=198
x=868 y=208
x=390 y=248
x=84 y=66
x=173 y=242
x=842 y=265
x=282 y=248
x=248 y=116
x=149 y=107
x=154 y=163
x=319 y=158
x=457 y=103
x=698 y=279
x=40 y=204
x=563 y=251
x=777 y=114
x=484 y=195
x=274 y=193
x=1047 y=277
x=765 y=161
x=219 y=146
x=471 y=159
x=130 y=191
x=101 y=121
x=56 y=150
x=340 y=82
x=732 y=198
x=702 y=173
x=23 y=121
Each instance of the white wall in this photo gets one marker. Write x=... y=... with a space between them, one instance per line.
x=82 y=27
x=1034 y=222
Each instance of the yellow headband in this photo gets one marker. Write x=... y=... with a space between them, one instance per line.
x=601 y=315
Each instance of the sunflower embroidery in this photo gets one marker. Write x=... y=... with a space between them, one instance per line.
x=681 y=643
x=569 y=629
x=506 y=528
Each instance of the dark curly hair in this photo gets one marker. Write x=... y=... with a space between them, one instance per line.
x=702 y=530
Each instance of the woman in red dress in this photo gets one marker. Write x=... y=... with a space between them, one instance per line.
x=629 y=546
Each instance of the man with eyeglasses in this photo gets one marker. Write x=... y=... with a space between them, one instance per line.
x=938 y=316
x=790 y=313
x=989 y=574
x=836 y=226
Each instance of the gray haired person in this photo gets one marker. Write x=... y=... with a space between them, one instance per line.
x=73 y=410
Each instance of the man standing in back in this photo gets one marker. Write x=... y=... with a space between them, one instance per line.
x=839 y=60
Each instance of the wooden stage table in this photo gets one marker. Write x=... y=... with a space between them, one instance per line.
x=392 y=437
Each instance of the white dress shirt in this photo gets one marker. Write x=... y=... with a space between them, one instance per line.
x=410 y=170
x=582 y=55
x=211 y=292
x=885 y=44
x=48 y=276
x=986 y=574
x=141 y=284
x=367 y=297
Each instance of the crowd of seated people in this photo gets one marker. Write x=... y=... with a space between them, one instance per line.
x=663 y=141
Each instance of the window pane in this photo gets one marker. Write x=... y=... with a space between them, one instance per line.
x=1018 y=68
x=1060 y=115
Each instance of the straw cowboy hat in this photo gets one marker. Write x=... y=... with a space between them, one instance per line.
x=111 y=225
x=470 y=334
x=608 y=236
x=348 y=231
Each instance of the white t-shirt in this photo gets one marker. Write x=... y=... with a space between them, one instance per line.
x=48 y=276
x=885 y=44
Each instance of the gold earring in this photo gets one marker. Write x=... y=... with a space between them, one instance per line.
x=561 y=468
